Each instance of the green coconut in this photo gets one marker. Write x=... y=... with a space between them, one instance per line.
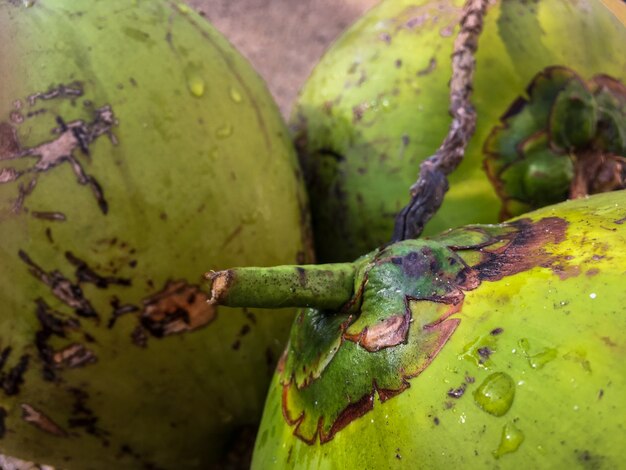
x=487 y=346
x=549 y=95
x=136 y=146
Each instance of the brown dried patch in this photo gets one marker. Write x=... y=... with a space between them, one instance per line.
x=178 y=308
x=386 y=334
x=74 y=355
x=525 y=249
x=38 y=419
x=69 y=137
x=66 y=291
x=9 y=144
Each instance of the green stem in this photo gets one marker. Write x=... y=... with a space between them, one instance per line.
x=325 y=286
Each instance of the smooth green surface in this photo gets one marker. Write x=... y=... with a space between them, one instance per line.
x=544 y=344
x=198 y=174
x=377 y=105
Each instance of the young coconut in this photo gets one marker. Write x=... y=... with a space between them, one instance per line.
x=375 y=107
x=486 y=346
x=132 y=141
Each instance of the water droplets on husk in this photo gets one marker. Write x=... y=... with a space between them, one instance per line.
x=495 y=394
x=235 y=95
x=195 y=82
x=512 y=438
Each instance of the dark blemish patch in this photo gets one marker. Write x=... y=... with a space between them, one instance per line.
x=608 y=341
x=67 y=292
x=52 y=216
x=132 y=263
x=132 y=81
x=11 y=380
x=524 y=249
x=398 y=63
x=589 y=460
x=496 y=331
x=71 y=90
x=484 y=353
x=250 y=316
x=245 y=329
x=469 y=379
x=620 y=221
x=139 y=337
x=600 y=394
x=236 y=345
x=432 y=65
x=163 y=216
x=3 y=427
x=436 y=421
x=592 y=272
x=52 y=323
x=9 y=144
x=119 y=310
x=74 y=355
x=405 y=140
x=86 y=420
x=22 y=192
x=456 y=392
x=85 y=274
x=170 y=310
x=68 y=137
x=32 y=114
x=386 y=37
x=38 y=419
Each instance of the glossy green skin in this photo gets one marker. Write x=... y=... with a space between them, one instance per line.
x=197 y=136
x=554 y=335
x=376 y=106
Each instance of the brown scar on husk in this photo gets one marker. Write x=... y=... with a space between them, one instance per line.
x=71 y=90
x=70 y=136
x=179 y=307
x=86 y=274
x=37 y=418
x=51 y=216
x=67 y=292
x=74 y=355
x=11 y=380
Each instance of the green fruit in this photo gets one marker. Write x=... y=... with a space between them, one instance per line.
x=488 y=346
x=377 y=105
x=133 y=138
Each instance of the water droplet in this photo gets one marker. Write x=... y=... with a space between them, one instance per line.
x=224 y=131
x=235 y=95
x=510 y=441
x=195 y=82
x=537 y=361
x=495 y=395
x=592 y=295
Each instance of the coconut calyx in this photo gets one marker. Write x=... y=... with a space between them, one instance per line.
x=567 y=138
x=358 y=315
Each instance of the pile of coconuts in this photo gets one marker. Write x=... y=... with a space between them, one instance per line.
x=139 y=150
